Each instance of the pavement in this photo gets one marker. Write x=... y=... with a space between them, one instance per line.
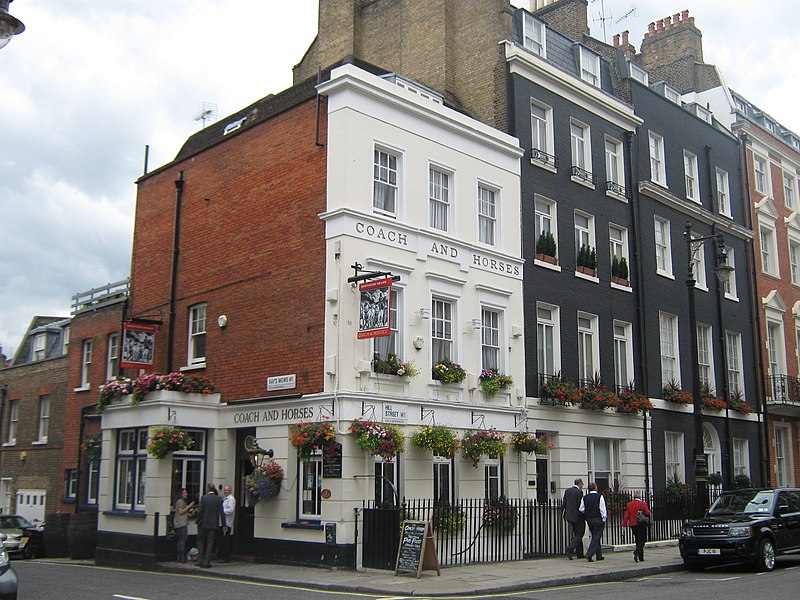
x=476 y=580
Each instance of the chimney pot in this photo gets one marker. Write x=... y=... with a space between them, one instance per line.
x=651 y=27
x=616 y=40
x=685 y=14
x=625 y=37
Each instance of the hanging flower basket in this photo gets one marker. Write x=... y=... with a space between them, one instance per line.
x=378 y=439
x=439 y=440
x=525 y=442
x=264 y=482
x=632 y=402
x=448 y=372
x=92 y=445
x=492 y=382
x=392 y=366
x=476 y=444
x=307 y=438
x=167 y=439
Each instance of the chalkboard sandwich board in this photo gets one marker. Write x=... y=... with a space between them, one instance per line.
x=417 y=550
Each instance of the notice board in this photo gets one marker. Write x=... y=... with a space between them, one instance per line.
x=417 y=550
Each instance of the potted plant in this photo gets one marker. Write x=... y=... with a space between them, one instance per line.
x=166 y=439
x=633 y=402
x=500 y=514
x=378 y=439
x=438 y=439
x=679 y=494
x=476 y=444
x=672 y=392
x=742 y=481
x=546 y=248
x=448 y=372
x=307 y=438
x=587 y=261
x=525 y=442
x=492 y=382
x=392 y=366
x=560 y=392
x=619 y=271
x=264 y=482
x=92 y=445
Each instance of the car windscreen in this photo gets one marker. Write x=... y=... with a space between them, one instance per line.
x=744 y=502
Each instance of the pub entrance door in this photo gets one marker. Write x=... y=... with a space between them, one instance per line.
x=244 y=520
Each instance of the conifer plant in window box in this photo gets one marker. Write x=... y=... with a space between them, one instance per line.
x=587 y=261
x=546 y=249
x=619 y=271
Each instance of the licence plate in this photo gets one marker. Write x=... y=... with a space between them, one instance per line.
x=708 y=552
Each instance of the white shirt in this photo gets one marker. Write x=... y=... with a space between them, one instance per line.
x=603 y=512
x=229 y=508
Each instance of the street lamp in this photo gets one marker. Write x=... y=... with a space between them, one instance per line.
x=9 y=25
x=723 y=271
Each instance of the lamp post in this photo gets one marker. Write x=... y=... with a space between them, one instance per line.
x=9 y=25
x=723 y=271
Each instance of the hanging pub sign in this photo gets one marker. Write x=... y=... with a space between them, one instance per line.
x=373 y=319
x=138 y=342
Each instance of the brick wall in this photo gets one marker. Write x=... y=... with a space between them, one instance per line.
x=251 y=248
x=568 y=17
x=41 y=467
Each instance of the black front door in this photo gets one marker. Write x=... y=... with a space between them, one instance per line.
x=542 y=479
x=244 y=521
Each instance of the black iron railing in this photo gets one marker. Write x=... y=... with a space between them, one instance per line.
x=616 y=189
x=542 y=157
x=784 y=389
x=583 y=175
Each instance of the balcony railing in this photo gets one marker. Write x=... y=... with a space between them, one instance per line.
x=616 y=189
x=542 y=157
x=783 y=389
x=583 y=175
x=100 y=296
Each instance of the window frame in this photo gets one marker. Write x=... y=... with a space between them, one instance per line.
x=552 y=325
x=491 y=336
x=135 y=456
x=730 y=290
x=663 y=246
x=492 y=480
x=705 y=356
x=615 y=166
x=443 y=472
x=587 y=369
x=768 y=243
x=580 y=146
x=658 y=172
x=789 y=190
x=761 y=174
x=733 y=355
x=112 y=356
x=584 y=234
x=383 y=181
x=531 y=24
x=691 y=176
x=589 y=66
x=618 y=246
x=668 y=340
x=675 y=455
x=388 y=471
x=44 y=419
x=550 y=218
x=13 y=423
x=310 y=496
x=394 y=341
x=614 y=452
x=699 y=271
x=623 y=353
x=443 y=199
x=197 y=335
x=443 y=335
x=488 y=214
x=39 y=347
x=776 y=347
x=741 y=456
x=71 y=484
x=87 y=348
x=543 y=127
x=723 y=192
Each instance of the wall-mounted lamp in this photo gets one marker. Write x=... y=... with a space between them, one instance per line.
x=257 y=454
x=9 y=25
x=222 y=321
x=424 y=313
x=476 y=323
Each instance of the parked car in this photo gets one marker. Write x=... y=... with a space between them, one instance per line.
x=748 y=525
x=22 y=537
x=8 y=577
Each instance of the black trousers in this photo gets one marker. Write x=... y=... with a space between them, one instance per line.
x=640 y=537
x=211 y=537
x=225 y=546
x=576 y=543
x=596 y=527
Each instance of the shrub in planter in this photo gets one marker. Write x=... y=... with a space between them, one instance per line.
x=546 y=244
x=166 y=439
x=672 y=392
x=633 y=402
x=448 y=519
x=597 y=397
x=500 y=515
x=525 y=442
x=742 y=481
x=711 y=402
x=560 y=391
x=392 y=366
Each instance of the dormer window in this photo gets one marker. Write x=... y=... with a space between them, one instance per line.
x=233 y=126
x=39 y=343
x=533 y=35
x=638 y=73
x=703 y=113
x=672 y=95
x=590 y=66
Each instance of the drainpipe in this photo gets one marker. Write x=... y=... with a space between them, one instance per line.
x=174 y=282
x=638 y=290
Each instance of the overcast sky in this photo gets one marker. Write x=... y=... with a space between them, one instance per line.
x=91 y=82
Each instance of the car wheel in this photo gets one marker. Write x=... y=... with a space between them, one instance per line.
x=765 y=556
x=692 y=565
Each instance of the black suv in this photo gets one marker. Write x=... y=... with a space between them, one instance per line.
x=749 y=525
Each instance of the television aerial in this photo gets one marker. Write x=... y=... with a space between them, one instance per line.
x=208 y=113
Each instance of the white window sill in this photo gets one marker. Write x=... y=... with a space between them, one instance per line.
x=545 y=166
x=580 y=275
x=547 y=265
x=611 y=194
x=39 y=442
x=9 y=444
x=85 y=388
x=583 y=182
x=731 y=298
x=194 y=367
x=623 y=288
x=702 y=288
x=665 y=274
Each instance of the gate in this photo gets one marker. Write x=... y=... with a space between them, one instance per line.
x=381 y=538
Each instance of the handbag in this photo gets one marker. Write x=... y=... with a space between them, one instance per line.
x=642 y=519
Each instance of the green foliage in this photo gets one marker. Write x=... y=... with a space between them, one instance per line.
x=619 y=267
x=448 y=372
x=476 y=444
x=438 y=439
x=546 y=244
x=742 y=481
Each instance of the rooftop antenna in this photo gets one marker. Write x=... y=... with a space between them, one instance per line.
x=630 y=13
x=602 y=18
x=208 y=113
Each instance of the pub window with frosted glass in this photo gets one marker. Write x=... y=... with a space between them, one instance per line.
x=310 y=498
x=188 y=467
x=131 y=461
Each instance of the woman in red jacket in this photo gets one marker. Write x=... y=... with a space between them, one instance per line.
x=639 y=530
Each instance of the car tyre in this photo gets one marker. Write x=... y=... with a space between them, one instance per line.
x=765 y=555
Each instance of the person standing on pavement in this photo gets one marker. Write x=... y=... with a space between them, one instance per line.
x=593 y=507
x=229 y=508
x=210 y=511
x=571 y=504
x=639 y=529
x=181 y=522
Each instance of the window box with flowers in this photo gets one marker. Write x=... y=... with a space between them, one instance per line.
x=556 y=391
x=264 y=482
x=378 y=439
x=500 y=515
x=166 y=439
x=484 y=442
x=448 y=372
x=740 y=405
x=392 y=366
x=679 y=494
x=672 y=392
x=633 y=402
x=596 y=396
x=438 y=439
x=525 y=442
x=492 y=382
x=138 y=388
x=307 y=438
x=92 y=445
x=711 y=402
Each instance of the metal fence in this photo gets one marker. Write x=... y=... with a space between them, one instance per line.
x=478 y=531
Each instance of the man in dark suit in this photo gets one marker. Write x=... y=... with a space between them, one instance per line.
x=210 y=511
x=593 y=507
x=571 y=504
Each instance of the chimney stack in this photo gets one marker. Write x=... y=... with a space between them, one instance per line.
x=670 y=40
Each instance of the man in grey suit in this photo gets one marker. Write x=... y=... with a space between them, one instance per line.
x=210 y=511
x=572 y=502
